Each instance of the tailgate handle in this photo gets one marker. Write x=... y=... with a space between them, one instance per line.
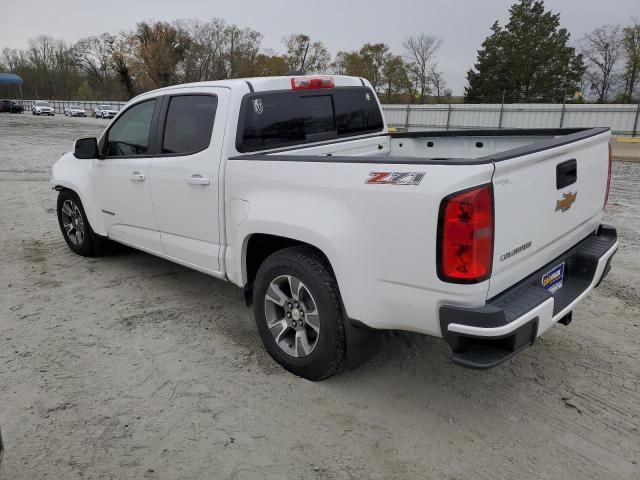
x=566 y=173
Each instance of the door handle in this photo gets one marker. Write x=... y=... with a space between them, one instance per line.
x=136 y=177
x=199 y=180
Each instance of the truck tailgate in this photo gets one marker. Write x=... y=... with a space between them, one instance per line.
x=547 y=199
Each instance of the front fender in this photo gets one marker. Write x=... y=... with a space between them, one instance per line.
x=75 y=174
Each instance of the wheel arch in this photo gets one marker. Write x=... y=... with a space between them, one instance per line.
x=87 y=205
x=258 y=246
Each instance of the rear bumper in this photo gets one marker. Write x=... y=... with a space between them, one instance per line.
x=486 y=336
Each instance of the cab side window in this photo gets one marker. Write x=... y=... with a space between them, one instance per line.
x=129 y=135
x=189 y=124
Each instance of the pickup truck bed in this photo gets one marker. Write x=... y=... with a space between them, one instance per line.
x=399 y=287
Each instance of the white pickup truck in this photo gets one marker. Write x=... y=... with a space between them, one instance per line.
x=293 y=189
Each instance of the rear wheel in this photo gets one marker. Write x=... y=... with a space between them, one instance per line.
x=299 y=313
x=74 y=225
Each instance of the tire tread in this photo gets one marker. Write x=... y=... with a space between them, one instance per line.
x=318 y=266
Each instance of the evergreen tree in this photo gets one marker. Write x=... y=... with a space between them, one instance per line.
x=529 y=59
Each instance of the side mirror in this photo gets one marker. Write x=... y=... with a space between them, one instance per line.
x=86 y=148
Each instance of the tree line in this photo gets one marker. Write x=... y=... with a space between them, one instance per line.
x=529 y=59
x=159 y=54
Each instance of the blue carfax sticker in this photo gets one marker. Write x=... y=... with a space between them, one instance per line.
x=552 y=280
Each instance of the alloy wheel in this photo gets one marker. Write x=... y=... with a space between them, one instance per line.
x=292 y=316
x=73 y=222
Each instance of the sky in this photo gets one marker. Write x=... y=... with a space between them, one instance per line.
x=340 y=24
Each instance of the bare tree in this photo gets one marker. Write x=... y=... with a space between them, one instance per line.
x=92 y=55
x=51 y=65
x=631 y=53
x=421 y=50
x=303 y=54
x=602 y=51
x=13 y=59
x=339 y=64
x=203 y=60
x=239 y=51
x=436 y=79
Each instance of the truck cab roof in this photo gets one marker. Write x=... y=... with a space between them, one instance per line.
x=264 y=84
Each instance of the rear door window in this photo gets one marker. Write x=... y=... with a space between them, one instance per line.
x=189 y=124
x=281 y=119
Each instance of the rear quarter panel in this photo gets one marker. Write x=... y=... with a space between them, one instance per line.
x=380 y=239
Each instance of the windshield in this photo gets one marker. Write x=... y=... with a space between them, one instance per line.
x=76 y=107
x=106 y=107
x=42 y=104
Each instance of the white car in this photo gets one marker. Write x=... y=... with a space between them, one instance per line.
x=105 y=111
x=293 y=189
x=74 y=111
x=42 y=108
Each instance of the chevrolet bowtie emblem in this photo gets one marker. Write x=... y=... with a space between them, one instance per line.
x=566 y=201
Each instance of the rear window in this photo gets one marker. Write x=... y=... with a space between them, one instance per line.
x=281 y=119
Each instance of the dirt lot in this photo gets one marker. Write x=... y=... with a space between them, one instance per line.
x=129 y=366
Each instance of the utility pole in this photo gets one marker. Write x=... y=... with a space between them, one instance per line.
x=501 y=111
x=564 y=100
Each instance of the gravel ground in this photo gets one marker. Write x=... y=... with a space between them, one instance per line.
x=129 y=366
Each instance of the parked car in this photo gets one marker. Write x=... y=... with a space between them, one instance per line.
x=74 y=111
x=42 y=108
x=105 y=111
x=9 y=106
x=293 y=189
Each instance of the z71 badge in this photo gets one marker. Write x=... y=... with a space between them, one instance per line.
x=395 y=178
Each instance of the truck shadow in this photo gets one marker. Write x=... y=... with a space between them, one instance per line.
x=412 y=363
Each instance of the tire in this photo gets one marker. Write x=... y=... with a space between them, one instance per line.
x=88 y=243
x=324 y=352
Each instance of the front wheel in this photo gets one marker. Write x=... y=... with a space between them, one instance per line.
x=299 y=313
x=74 y=225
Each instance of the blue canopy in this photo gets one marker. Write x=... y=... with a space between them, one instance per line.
x=10 y=79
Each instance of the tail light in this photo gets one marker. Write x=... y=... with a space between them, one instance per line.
x=606 y=195
x=465 y=236
x=312 y=83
